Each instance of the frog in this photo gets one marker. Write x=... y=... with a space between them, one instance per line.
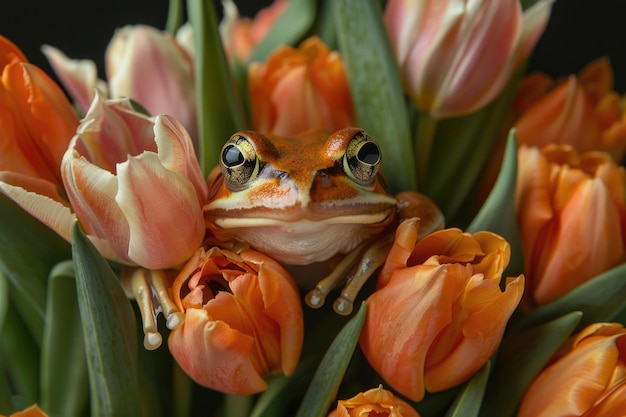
x=318 y=197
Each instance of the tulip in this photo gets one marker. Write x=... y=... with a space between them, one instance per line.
x=131 y=58
x=583 y=111
x=37 y=124
x=377 y=402
x=241 y=35
x=32 y=411
x=586 y=378
x=243 y=320
x=439 y=312
x=135 y=185
x=571 y=211
x=456 y=56
x=300 y=89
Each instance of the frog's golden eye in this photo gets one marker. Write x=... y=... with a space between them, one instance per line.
x=238 y=162
x=361 y=161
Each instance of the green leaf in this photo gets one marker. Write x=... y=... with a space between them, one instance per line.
x=289 y=29
x=468 y=403
x=520 y=359
x=219 y=107
x=376 y=89
x=461 y=148
x=20 y=353
x=600 y=299
x=323 y=388
x=64 y=378
x=498 y=212
x=174 y=16
x=281 y=388
x=109 y=332
x=29 y=251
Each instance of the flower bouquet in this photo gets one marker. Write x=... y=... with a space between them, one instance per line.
x=346 y=208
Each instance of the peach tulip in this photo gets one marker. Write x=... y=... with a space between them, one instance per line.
x=300 y=89
x=37 y=122
x=131 y=58
x=456 y=56
x=571 y=212
x=586 y=378
x=241 y=35
x=32 y=411
x=136 y=185
x=243 y=320
x=439 y=312
x=582 y=111
x=376 y=402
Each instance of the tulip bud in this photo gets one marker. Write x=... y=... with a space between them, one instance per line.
x=581 y=111
x=571 y=211
x=440 y=313
x=135 y=185
x=131 y=59
x=243 y=320
x=376 y=402
x=300 y=89
x=32 y=411
x=456 y=56
x=241 y=35
x=585 y=378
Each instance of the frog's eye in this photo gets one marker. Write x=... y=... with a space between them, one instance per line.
x=361 y=161
x=238 y=162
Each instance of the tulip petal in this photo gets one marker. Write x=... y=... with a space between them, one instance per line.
x=176 y=153
x=394 y=309
x=215 y=355
x=40 y=198
x=579 y=378
x=482 y=332
x=90 y=190
x=79 y=77
x=571 y=261
x=148 y=194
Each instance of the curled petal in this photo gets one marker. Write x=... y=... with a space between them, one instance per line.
x=215 y=354
x=154 y=242
x=79 y=77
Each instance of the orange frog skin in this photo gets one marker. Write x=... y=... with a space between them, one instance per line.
x=307 y=199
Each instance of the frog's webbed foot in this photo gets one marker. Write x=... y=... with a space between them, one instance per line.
x=357 y=266
x=150 y=289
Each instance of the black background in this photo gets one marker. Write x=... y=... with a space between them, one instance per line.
x=579 y=30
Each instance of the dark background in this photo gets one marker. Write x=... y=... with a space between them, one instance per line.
x=579 y=30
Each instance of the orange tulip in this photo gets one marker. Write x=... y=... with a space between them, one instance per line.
x=439 y=312
x=377 y=402
x=32 y=411
x=37 y=123
x=581 y=111
x=586 y=378
x=243 y=320
x=300 y=89
x=455 y=56
x=241 y=35
x=571 y=212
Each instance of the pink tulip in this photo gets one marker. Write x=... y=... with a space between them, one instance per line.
x=456 y=56
x=135 y=185
x=131 y=58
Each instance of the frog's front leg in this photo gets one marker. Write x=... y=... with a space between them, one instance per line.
x=359 y=264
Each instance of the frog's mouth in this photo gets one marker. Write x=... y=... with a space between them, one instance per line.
x=298 y=219
x=301 y=237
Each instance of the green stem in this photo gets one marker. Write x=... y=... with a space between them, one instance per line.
x=174 y=16
x=424 y=133
x=238 y=405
